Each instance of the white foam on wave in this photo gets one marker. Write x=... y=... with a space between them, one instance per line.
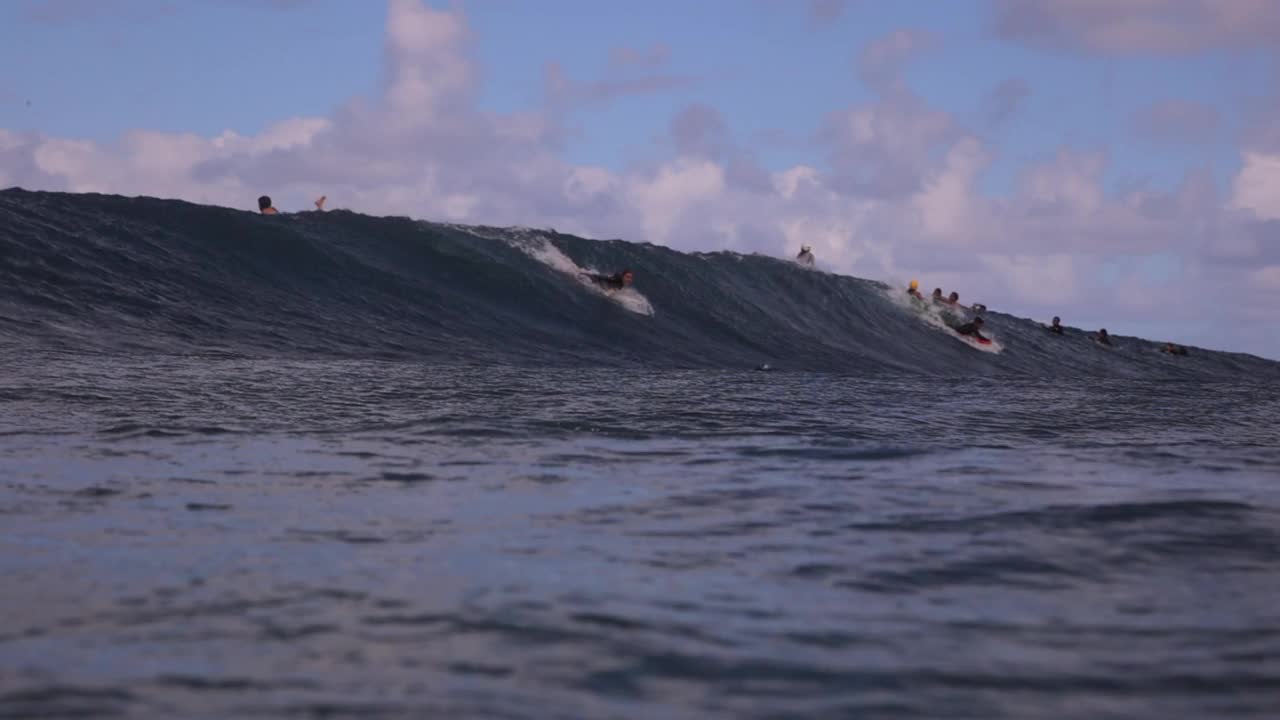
x=931 y=314
x=536 y=245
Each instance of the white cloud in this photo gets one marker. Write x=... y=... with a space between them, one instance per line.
x=427 y=61
x=1257 y=187
x=790 y=181
x=1072 y=184
x=676 y=188
x=948 y=206
x=1048 y=279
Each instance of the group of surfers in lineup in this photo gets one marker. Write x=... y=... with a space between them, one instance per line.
x=973 y=328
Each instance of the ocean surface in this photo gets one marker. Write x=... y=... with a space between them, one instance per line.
x=335 y=466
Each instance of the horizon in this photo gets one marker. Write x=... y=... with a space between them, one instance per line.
x=1114 y=163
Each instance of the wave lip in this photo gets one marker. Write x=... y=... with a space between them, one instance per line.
x=108 y=274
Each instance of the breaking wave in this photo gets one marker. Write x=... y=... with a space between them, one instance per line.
x=108 y=274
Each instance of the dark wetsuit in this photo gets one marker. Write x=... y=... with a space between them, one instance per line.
x=970 y=329
x=1103 y=339
x=612 y=282
x=1055 y=329
x=805 y=258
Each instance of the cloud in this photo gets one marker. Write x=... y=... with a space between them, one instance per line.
x=827 y=10
x=1051 y=279
x=881 y=62
x=1176 y=121
x=427 y=60
x=1140 y=26
x=946 y=203
x=674 y=190
x=1003 y=101
x=564 y=90
x=630 y=72
x=699 y=129
x=1257 y=186
x=1267 y=278
x=883 y=148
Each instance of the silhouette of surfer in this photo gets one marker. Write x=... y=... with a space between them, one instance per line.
x=266 y=208
x=616 y=281
x=972 y=329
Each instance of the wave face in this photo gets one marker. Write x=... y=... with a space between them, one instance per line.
x=107 y=274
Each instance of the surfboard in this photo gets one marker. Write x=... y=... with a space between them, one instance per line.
x=971 y=339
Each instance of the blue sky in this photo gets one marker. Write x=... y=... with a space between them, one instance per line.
x=97 y=69
x=1138 y=101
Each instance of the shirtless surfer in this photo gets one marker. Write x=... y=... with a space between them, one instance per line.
x=266 y=208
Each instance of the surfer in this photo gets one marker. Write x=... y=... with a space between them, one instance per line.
x=1102 y=338
x=972 y=329
x=266 y=208
x=1171 y=349
x=914 y=290
x=937 y=296
x=1056 y=327
x=616 y=281
x=806 y=255
x=953 y=298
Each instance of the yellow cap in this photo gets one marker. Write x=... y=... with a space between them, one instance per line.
x=914 y=284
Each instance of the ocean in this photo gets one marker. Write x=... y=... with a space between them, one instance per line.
x=336 y=466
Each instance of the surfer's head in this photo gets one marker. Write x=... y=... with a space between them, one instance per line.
x=627 y=277
x=1057 y=320
x=264 y=203
x=937 y=292
x=915 y=284
x=954 y=297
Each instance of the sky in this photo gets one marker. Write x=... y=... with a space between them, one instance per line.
x=1113 y=162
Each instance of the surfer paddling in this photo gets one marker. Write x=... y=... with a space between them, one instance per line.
x=972 y=329
x=616 y=281
x=266 y=208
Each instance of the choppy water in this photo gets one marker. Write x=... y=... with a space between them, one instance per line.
x=331 y=466
x=211 y=537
